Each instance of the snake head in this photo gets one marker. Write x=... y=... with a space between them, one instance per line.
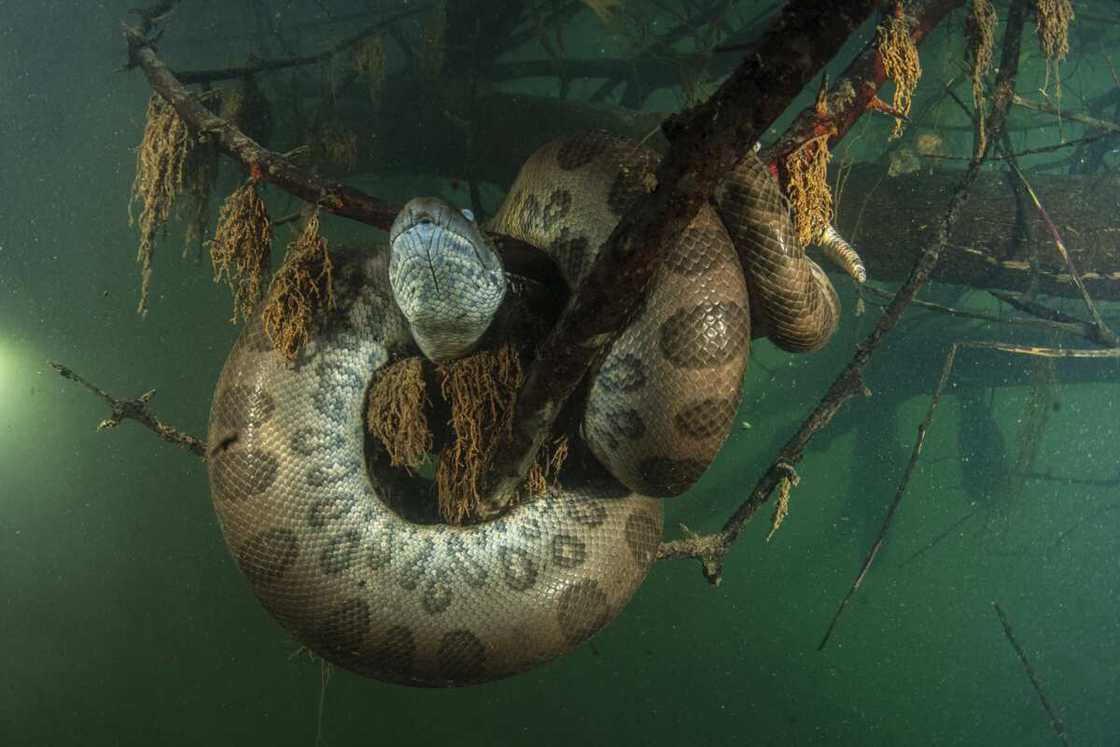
x=445 y=275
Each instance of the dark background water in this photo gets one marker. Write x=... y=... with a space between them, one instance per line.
x=124 y=621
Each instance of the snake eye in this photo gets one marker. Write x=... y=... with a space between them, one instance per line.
x=468 y=214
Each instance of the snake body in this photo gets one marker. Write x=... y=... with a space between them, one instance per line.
x=308 y=520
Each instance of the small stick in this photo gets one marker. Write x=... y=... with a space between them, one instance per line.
x=135 y=409
x=1055 y=722
x=923 y=428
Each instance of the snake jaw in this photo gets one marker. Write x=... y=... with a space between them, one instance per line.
x=445 y=276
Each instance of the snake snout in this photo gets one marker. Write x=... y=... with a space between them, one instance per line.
x=445 y=275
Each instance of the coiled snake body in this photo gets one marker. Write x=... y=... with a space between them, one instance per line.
x=437 y=605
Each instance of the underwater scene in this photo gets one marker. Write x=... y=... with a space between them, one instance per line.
x=559 y=372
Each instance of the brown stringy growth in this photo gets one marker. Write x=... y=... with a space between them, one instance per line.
x=781 y=507
x=241 y=248
x=396 y=413
x=980 y=31
x=807 y=187
x=900 y=61
x=201 y=171
x=301 y=287
x=1052 y=26
x=482 y=389
x=161 y=162
x=605 y=9
x=546 y=470
x=338 y=145
x=369 y=60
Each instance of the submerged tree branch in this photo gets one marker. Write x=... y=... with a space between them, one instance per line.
x=332 y=196
x=135 y=409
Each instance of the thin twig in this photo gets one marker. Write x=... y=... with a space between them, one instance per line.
x=1085 y=119
x=903 y=484
x=135 y=409
x=1055 y=721
x=1047 y=322
x=1104 y=335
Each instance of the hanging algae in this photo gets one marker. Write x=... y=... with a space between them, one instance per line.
x=807 y=187
x=161 y=166
x=396 y=413
x=605 y=9
x=980 y=30
x=301 y=287
x=1052 y=26
x=369 y=61
x=482 y=389
x=900 y=61
x=241 y=248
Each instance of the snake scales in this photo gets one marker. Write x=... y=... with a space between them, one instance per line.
x=436 y=605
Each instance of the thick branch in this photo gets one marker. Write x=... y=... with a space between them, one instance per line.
x=705 y=144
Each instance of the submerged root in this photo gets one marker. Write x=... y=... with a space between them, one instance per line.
x=161 y=166
x=482 y=389
x=396 y=413
x=300 y=288
x=901 y=62
x=242 y=246
x=807 y=187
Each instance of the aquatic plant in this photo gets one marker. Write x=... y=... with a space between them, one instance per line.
x=241 y=247
x=901 y=62
x=300 y=288
x=161 y=161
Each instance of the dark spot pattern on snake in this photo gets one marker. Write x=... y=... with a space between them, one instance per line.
x=237 y=474
x=343 y=632
x=582 y=610
x=268 y=555
x=394 y=653
x=586 y=511
x=667 y=476
x=568 y=551
x=705 y=418
x=622 y=373
x=706 y=335
x=340 y=552
x=518 y=568
x=241 y=406
x=643 y=535
x=461 y=657
x=581 y=150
